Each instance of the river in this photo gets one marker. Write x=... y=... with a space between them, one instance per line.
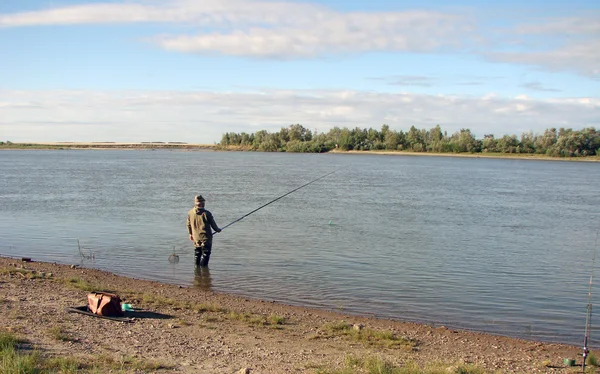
x=503 y=246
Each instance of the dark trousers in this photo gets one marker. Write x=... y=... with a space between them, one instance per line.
x=202 y=254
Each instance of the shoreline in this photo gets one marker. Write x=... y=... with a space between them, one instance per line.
x=217 y=148
x=509 y=156
x=223 y=333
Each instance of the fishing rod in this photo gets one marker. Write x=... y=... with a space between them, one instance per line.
x=588 y=318
x=274 y=200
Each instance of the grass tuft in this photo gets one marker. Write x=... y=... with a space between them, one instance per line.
x=8 y=341
x=25 y=273
x=126 y=363
x=203 y=308
x=253 y=319
x=276 y=320
x=12 y=360
x=59 y=333
x=81 y=284
x=63 y=365
x=375 y=365
x=160 y=301
x=366 y=336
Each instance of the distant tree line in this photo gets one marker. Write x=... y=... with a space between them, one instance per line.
x=297 y=138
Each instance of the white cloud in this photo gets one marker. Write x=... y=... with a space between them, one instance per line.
x=580 y=56
x=288 y=30
x=564 y=26
x=232 y=13
x=202 y=117
x=538 y=86
x=269 y=29
x=332 y=33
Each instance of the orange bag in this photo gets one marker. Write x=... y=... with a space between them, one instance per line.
x=105 y=304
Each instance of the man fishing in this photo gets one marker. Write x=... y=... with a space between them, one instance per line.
x=200 y=223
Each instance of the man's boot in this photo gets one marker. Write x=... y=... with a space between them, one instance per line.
x=204 y=259
x=198 y=257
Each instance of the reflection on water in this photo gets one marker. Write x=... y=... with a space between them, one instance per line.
x=202 y=278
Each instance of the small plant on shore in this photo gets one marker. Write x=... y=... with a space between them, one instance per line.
x=8 y=341
x=183 y=322
x=81 y=284
x=11 y=360
x=63 y=365
x=274 y=319
x=592 y=360
x=160 y=301
x=203 y=308
x=247 y=317
x=366 y=336
x=211 y=319
x=253 y=319
x=126 y=363
x=24 y=273
x=58 y=333
x=376 y=365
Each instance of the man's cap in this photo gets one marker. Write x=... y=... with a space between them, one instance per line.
x=199 y=198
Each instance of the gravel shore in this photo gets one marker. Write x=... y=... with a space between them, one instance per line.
x=190 y=330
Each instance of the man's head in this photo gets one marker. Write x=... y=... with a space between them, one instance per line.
x=199 y=201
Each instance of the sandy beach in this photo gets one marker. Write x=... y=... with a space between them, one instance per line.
x=192 y=330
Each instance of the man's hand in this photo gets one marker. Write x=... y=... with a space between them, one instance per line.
x=191 y=237
x=218 y=230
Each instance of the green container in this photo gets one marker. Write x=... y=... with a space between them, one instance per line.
x=126 y=307
x=569 y=362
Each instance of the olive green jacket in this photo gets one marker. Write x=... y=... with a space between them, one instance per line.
x=199 y=224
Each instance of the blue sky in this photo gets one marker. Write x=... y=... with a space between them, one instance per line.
x=190 y=70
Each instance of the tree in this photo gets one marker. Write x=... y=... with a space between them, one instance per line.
x=345 y=140
x=434 y=140
x=392 y=140
x=300 y=133
x=508 y=144
x=415 y=140
x=543 y=143
x=527 y=143
x=464 y=141
x=489 y=143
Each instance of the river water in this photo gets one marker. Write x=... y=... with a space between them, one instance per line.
x=496 y=245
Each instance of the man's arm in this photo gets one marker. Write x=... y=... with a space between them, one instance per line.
x=189 y=227
x=213 y=224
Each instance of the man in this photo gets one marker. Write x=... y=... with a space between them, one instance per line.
x=200 y=224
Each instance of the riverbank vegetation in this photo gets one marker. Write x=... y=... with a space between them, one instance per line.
x=565 y=143
x=296 y=138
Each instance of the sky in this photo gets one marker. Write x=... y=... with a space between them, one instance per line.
x=191 y=70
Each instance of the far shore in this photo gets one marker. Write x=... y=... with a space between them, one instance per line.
x=215 y=147
x=107 y=145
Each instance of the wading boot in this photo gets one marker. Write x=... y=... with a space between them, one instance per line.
x=204 y=259
x=197 y=257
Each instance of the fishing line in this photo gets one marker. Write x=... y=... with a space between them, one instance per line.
x=588 y=318
x=174 y=258
x=274 y=200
